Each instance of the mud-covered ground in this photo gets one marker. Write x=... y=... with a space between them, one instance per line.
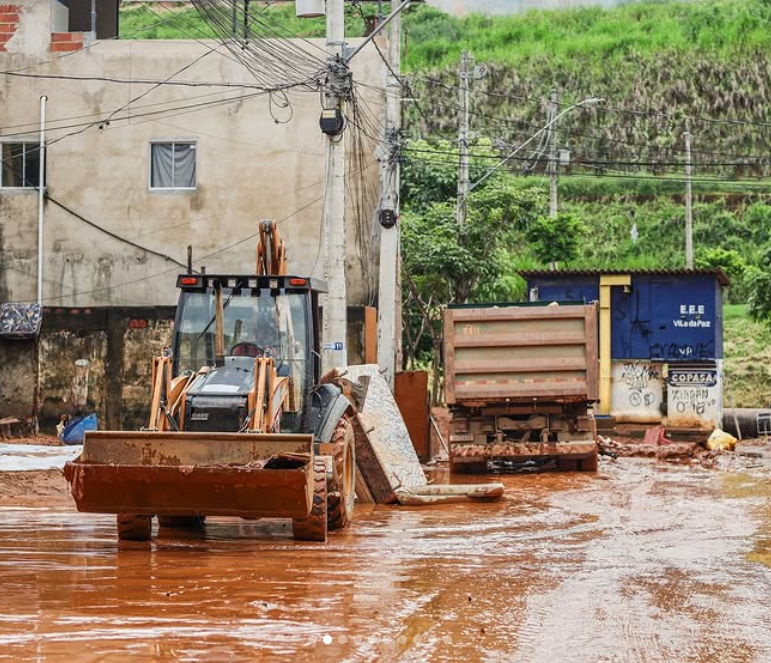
x=645 y=562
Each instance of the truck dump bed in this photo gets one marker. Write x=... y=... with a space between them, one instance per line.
x=518 y=353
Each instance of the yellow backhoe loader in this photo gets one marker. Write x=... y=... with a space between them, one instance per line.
x=241 y=422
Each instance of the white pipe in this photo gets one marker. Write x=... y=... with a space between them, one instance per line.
x=41 y=199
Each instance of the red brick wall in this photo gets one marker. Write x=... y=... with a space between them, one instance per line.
x=9 y=21
x=60 y=41
x=66 y=41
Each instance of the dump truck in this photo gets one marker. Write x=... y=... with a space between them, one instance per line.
x=241 y=421
x=520 y=380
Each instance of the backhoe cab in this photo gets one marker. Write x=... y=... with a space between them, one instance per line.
x=240 y=423
x=231 y=328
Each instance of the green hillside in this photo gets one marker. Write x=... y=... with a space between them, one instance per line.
x=568 y=37
x=747 y=360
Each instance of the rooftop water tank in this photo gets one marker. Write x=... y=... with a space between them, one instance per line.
x=309 y=8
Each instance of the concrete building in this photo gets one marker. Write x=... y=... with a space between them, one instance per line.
x=137 y=172
x=247 y=159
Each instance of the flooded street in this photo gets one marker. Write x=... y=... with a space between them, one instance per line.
x=647 y=562
x=30 y=457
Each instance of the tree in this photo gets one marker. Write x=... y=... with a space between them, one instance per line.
x=732 y=263
x=444 y=263
x=455 y=260
x=758 y=282
x=557 y=239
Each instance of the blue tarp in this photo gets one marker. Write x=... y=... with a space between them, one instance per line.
x=76 y=429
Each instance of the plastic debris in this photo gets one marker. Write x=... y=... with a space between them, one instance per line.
x=721 y=440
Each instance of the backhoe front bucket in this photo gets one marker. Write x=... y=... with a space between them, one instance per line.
x=194 y=474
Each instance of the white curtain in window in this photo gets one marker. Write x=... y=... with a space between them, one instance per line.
x=184 y=166
x=162 y=167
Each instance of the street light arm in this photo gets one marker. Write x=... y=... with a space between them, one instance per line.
x=378 y=29
x=585 y=102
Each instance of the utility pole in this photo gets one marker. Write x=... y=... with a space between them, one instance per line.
x=464 y=133
x=389 y=295
x=463 y=138
x=553 y=156
x=688 y=201
x=337 y=89
x=335 y=328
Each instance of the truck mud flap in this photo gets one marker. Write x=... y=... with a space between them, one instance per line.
x=471 y=452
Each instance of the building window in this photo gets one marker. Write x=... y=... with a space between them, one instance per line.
x=173 y=165
x=21 y=166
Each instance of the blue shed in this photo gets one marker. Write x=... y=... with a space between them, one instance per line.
x=661 y=339
x=666 y=315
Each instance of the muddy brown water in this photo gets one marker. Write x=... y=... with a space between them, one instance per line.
x=646 y=563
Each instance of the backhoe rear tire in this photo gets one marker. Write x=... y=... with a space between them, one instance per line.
x=314 y=527
x=134 y=528
x=182 y=522
x=341 y=491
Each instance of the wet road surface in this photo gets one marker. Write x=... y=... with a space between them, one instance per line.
x=645 y=563
x=27 y=457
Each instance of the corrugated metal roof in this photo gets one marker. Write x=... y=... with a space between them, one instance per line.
x=718 y=273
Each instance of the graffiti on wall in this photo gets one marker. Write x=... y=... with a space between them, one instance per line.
x=691 y=351
x=694 y=396
x=637 y=377
x=637 y=391
x=693 y=400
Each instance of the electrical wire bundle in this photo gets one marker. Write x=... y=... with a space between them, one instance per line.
x=267 y=49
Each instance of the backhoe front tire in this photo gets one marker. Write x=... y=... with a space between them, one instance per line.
x=314 y=527
x=341 y=492
x=134 y=528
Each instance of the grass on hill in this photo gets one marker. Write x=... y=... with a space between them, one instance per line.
x=567 y=36
x=182 y=21
x=747 y=360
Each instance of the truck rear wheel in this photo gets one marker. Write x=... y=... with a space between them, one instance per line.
x=134 y=528
x=590 y=464
x=182 y=522
x=341 y=494
x=314 y=527
x=476 y=467
x=567 y=464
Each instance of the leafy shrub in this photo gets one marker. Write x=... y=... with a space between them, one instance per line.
x=732 y=263
x=558 y=239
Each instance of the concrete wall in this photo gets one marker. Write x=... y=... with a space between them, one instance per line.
x=695 y=395
x=18 y=378
x=637 y=391
x=681 y=396
x=27 y=26
x=60 y=17
x=249 y=168
x=119 y=344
